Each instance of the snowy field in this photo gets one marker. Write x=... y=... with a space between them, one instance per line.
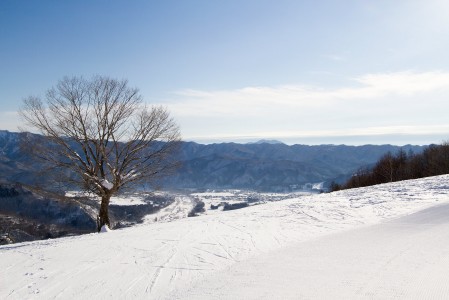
x=122 y=200
x=384 y=242
x=217 y=198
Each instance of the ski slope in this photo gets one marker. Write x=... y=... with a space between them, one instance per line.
x=384 y=242
x=406 y=258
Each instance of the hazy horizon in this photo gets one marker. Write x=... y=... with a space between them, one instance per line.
x=309 y=141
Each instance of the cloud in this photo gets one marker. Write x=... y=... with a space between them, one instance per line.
x=9 y=120
x=404 y=83
x=405 y=104
x=367 y=131
x=383 y=103
x=254 y=100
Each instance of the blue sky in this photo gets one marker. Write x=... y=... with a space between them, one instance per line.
x=308 y=72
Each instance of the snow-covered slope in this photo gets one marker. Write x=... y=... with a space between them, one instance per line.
x=405 y=258
x=231 y=254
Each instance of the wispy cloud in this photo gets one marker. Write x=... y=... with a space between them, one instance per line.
x=9 y=120
x=252 y=100
x=384 y=103
x=368 y=131
x=397 y=103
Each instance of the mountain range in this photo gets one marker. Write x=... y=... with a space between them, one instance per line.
x=262 y=166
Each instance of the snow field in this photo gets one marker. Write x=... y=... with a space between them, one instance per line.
x=123 y=200
x=404 y=258
x=179 y=209
x=176 y=259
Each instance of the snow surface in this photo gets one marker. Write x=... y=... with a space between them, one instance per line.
x=214 y=198
x=354 y=244
x=106 y=184
x=122 y=200
x=105 y=228
x=179 y=209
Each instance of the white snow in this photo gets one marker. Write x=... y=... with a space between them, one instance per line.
x=405 y=258
x=106 y=184
x=318 y=186
x=215 y=194
x=217 y=198
x=121 y=199
x=127 y=200
x=179 y=209
x=130 y=175
x=105 y=228
x=355 y=244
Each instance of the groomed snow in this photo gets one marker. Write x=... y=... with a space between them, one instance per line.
x=405 y=258
x=351 y=244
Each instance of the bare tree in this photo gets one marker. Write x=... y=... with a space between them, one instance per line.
x=385 y=168
x=100 y=132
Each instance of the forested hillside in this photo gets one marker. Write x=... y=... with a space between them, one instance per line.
x=402 y=165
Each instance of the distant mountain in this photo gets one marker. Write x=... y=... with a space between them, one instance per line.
x=272 y=167
x=260 y=166
x=273 y=142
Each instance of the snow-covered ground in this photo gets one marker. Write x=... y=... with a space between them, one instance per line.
x=216 y=198
x=361 y=243
x=122 y=200
x=179 y=209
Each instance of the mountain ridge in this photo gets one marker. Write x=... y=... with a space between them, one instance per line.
x=262 y=167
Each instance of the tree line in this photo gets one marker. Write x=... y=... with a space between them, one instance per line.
x=433 y=161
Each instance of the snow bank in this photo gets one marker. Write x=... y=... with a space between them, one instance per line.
x=105 y=228
x=162 y=260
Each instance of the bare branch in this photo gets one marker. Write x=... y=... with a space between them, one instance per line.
x=101 y=134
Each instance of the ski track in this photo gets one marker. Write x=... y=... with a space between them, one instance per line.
x=160 y=260
x=398 y=259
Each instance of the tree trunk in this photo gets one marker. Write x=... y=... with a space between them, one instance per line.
x=103 y=216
